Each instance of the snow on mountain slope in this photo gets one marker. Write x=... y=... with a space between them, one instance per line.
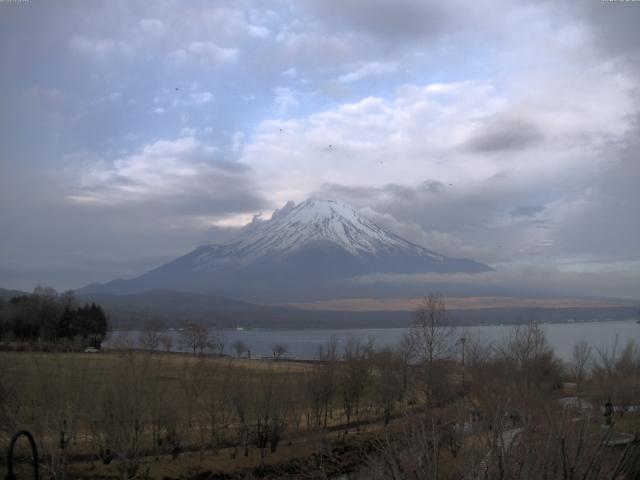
x=313 y=221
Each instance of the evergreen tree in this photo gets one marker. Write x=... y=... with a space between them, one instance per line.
x=50 y=317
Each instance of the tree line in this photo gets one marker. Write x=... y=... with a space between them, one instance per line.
x=48 y=318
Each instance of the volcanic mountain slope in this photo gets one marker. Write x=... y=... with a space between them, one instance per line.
x=302 y=249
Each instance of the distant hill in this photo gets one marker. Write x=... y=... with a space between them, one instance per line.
x=8 y=294
x=173 y=308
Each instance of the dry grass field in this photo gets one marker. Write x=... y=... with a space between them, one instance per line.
x=123 y=413
x=82 y=405
x=372 y=413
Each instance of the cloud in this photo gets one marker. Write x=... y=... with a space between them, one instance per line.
x=237 y=142
x=363 y=70
x=527 y=210
x=212 y=52
x=439 y=131
x=613 y=25
x=285 y=100
x=504 y=134
x=205 y=54
x=441 y=242
x=468 y=224
x=182 y=174
x=290 y=73
x=202 y=98
x=599 y=218
x=546 y=279
x=152 y=26
x=305 y=48
x=100 y=49
x=47 y=94
x=231 y=22
x=102 y=219
x=400 y=19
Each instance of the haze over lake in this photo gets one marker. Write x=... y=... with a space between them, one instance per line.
x=304 y=344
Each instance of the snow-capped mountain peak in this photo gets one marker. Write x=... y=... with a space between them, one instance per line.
x=302 y=248
x=317 y=221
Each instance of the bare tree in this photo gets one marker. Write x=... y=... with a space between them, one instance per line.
x=192 y=381
x=355 y=376
x=10 y=406
x=388 y=387
x=239 y=347
x=239 y=400
x=615 y=362
x=478 y=352
x=195 y=337
x=214 y=413
x=527 y=357
x=432 y=337
x=62 y=393
x=581 y=359
x=431 y=332
x=44 y=291
x=120 y=416
x=328 y=357
x=217 y=342
x=270 y=408
x=150 y=335
x=414 y=453
x=404 y=353
x=616 y=370
x=166 y=340
x=320 y=386
x=279 y=349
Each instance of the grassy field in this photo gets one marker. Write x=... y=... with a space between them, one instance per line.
x=98 y=400
x=134 y=414
x=175 y=413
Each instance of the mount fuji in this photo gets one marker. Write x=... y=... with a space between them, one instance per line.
x=305 y=248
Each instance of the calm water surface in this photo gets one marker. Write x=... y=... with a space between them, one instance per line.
x=304 y=343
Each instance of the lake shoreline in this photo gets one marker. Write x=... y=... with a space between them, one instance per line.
x=380 y=327
x=304 y=343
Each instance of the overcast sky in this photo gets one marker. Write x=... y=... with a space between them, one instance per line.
x=507 y=132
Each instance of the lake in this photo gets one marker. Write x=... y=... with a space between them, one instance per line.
x=304 y=343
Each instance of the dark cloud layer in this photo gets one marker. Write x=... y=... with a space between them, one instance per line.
x=504 y=134
x=402 y=19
